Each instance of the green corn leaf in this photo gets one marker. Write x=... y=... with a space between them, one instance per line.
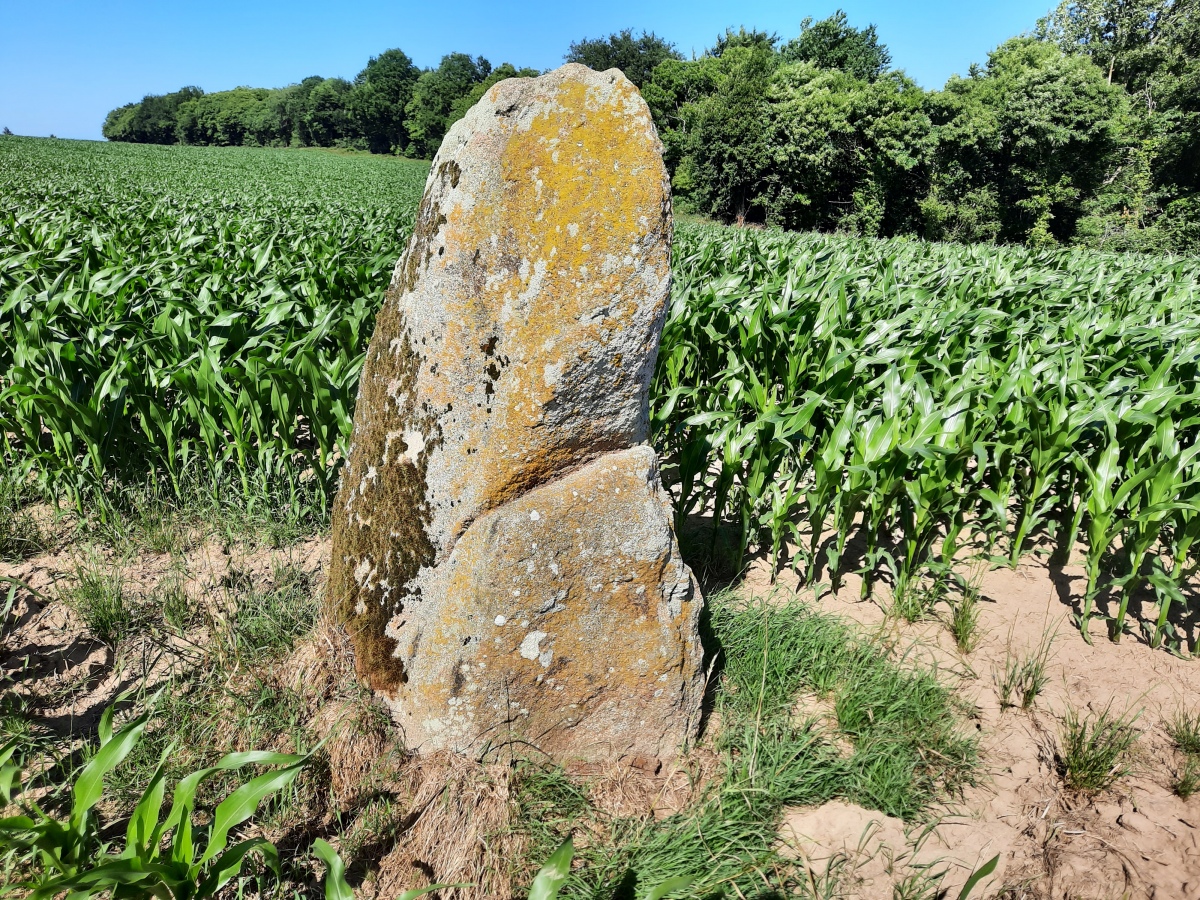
x=242 y=803
x=977 y=876
x=89 y=786
x=183 y=797
x=336 y=887
x=141 y=834
x=230 y=862
x=421 y=892
x=553 y=875
x=10 y=772
x=668 y=887
x=112 y=876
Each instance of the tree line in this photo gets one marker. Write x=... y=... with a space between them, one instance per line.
x=391 y=106
x=1086 y=130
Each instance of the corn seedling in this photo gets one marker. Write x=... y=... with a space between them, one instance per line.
x=171 y=855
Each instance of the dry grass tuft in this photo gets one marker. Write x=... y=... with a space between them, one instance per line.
x=620 y=790
x=419 y=820
x=321 y=664
x=363 y=757
x=461 y=829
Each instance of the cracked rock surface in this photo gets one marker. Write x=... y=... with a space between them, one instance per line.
x=503 y=556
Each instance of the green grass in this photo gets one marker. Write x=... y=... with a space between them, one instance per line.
x=101 y=600
x=1184 y=730
x=910 y=749
x=919 y=886
x=178 y=611
x=158 y=517
x=270 y=620
x=1095 y=750
x=20 y=536
x=204 y=715
x=222 y=694
x=1187 y=781
x=229 y=700
x=14 y=718
x=1026 y=676
x=964 y=621
x=918 y=599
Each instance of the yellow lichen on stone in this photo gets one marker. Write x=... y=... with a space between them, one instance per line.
x=550 y=243
x=568 y=624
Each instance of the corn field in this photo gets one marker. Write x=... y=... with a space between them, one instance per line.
x=817 y=388
x=164 y=309
x=844 y=404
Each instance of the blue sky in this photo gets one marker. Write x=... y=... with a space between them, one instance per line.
x=63 y=65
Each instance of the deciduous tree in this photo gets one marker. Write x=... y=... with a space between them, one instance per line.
x=428 y=112
x=635 y=56
x=834 y=43
x=376 y=103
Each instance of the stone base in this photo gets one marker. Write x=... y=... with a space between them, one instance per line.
x=564 y=622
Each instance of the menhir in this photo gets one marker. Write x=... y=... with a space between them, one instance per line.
x=503 y=553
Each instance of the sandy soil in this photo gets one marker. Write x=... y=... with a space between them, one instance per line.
x=64 y=677
x=1135 y=840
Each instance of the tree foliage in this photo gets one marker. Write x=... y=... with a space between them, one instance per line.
x=391 y=106
x=635 y=56
x=376 y=105
x=752 y=38
x=835 y=44
x=1084 y=131
x=1030 y=137
x=152 y=121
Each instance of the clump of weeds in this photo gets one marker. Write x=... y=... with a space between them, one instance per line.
x=1096 y=750
x=1025 y=677
x=102 y=601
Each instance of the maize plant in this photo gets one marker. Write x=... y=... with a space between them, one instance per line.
x=931 y=391
x=171 y=310
x=170 y=854
x=164 y=309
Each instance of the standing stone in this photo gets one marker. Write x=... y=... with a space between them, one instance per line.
x=503 y=556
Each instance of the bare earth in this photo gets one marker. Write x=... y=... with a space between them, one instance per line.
x=1135 y=840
